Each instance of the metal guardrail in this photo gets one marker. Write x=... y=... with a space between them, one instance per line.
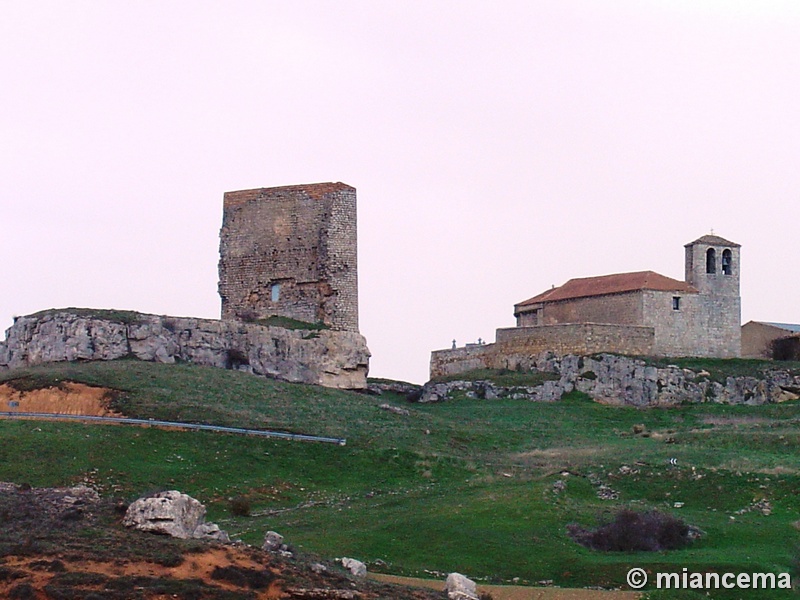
x=297 y=437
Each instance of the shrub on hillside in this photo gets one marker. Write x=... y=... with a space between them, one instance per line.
x=239 y=506
x=786 y=348
x=631 y=531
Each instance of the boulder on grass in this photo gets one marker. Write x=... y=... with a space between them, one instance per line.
x=173 y=513
x=356 y=567
x=272 y=542
x=459 y=587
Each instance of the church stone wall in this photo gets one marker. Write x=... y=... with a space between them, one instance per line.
x=620 y=309
x=702 y=326
x=290 y=251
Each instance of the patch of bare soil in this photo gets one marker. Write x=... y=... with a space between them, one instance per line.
x=69 y=398
x=512 y=592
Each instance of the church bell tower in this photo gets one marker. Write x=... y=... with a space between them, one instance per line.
x=713 y=268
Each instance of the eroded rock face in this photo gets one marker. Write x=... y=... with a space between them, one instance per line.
x=621 y=380
x=338 y=359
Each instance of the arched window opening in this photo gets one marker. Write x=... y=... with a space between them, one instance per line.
x=711 y=261
x=727 y=262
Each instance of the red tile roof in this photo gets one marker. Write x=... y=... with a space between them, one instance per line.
x=611 y=284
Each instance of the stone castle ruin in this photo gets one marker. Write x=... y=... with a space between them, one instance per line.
x=640 y=314
x=284 y=252
x=290 y=252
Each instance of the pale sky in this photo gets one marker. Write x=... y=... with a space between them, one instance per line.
x=498 y=148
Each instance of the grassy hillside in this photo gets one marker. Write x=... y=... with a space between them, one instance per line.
x=471 y=485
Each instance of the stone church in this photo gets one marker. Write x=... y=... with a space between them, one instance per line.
x=642 y=313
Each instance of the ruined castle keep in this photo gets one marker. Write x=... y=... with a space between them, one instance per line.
x=643 y=313
x=285 y=251
x=291 y=252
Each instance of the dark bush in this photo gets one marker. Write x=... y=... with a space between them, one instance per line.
x=23 y=591
x=786 y=348
x=631 y=531
x=239 y=506
x=243 y=577
x=414 y=396
x=168 y=558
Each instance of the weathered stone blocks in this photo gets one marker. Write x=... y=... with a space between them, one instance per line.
x=291 y=251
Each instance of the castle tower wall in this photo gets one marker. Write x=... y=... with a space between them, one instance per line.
x=290 y=251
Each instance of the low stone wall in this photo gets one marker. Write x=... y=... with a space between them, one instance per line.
x=338 y=359
x=461 y=360
x=517 y=347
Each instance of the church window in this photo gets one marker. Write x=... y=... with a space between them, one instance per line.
x=676 y=303
x=276 y=292
x=727 y=262
x=711 y=261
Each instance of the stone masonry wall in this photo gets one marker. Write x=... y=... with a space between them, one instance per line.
x=336 y=359
x=516 y=346
x=620 y=309
x=290 y=251
x=701 y=327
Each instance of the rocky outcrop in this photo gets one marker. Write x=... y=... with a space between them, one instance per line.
x=55 y=504
x=621 y=380
x=401 y=388
x=175 y=514
x=337 y=359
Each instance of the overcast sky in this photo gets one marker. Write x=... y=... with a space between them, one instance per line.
x=498 y=148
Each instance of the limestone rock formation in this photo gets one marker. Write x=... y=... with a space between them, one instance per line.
x=621 y=380
x=356 y=567
x=395 y=387
x=337 y=359
x=459 y=587
x=272 y=542
x=175 y=514
x=211 y=532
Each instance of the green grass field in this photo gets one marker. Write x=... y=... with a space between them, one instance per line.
x=468 y=485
